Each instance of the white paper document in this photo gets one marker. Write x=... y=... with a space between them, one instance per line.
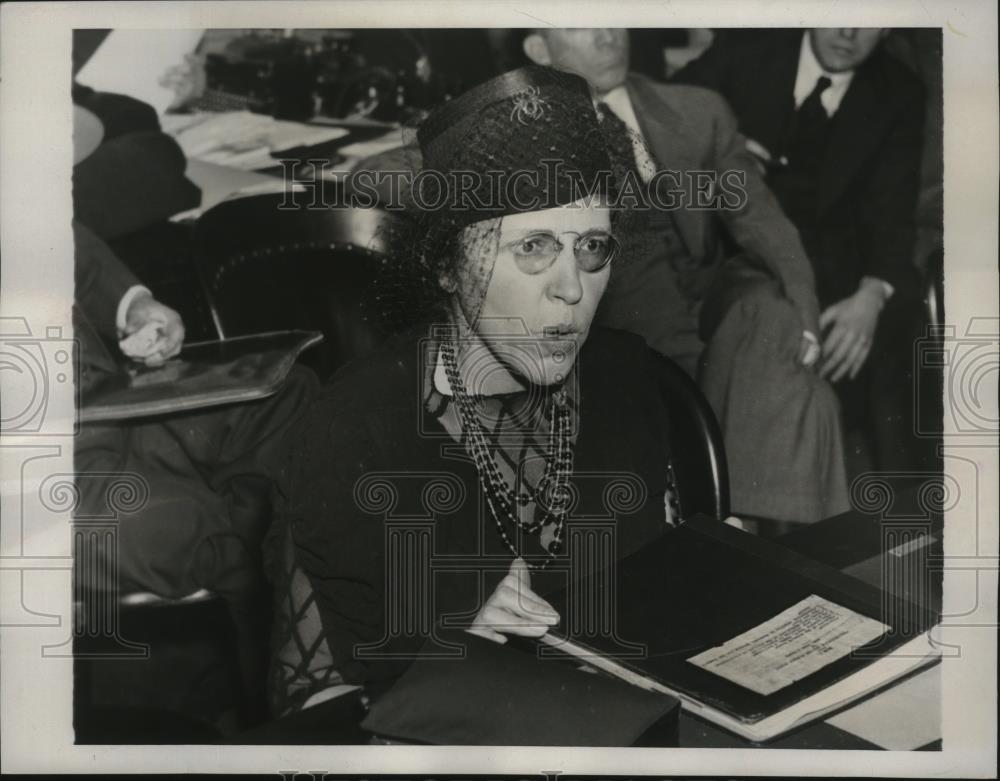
x=220 y=183
x=795 y=643
x=243 y=139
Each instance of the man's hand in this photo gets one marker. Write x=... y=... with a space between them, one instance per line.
x=850 y=327
x=514 y=608
x=809 y=349
x=187 y=80
x=763 y=159
x=153 y=332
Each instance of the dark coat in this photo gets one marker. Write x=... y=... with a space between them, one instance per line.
x=870 y=171
x=368 y=456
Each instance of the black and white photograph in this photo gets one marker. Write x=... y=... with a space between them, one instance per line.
x=446 y=388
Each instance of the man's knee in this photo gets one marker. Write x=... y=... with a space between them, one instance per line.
x=757 y=305
x=301 y=385
x=744 y=292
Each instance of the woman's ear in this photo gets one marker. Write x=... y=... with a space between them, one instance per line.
x=536 y=49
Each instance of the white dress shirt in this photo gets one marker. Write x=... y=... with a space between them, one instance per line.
x=810 y=72
x=126 y=302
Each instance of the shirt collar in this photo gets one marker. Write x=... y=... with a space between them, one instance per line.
x=439 y=375
x=809 y=73
x=618 y=101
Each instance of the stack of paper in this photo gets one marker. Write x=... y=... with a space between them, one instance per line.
x=242 y=139
x=220 y=183
x=362 y=149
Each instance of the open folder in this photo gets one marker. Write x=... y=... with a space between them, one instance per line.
x=747 y=634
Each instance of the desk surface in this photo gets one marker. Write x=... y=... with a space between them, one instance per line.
x=842 y=541
x=222 y=182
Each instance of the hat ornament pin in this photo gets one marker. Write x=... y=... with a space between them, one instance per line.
x=529 y=105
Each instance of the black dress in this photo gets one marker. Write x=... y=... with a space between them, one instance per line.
x=386 y=515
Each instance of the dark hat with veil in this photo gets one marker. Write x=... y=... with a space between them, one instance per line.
x=524 y=141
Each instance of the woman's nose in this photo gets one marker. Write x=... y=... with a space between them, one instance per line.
x=848 y=32
x=564 y=283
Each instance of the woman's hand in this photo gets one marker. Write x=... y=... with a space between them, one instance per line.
x=514 y=608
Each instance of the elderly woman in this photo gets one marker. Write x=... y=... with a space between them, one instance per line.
x=438 y=482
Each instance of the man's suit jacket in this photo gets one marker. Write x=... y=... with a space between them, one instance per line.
x=690 y=129
x=869 y=174
x=101 y=280
x=779 y=420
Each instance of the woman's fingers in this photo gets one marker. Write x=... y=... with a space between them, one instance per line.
x=499 y=619
x=513 y=608
x=522 y=601
x=487 y=633
x=519 y=579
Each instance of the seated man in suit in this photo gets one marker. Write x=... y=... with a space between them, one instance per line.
x=208 y=473
x=745 y=323
x=837 y=125
x=202 y=479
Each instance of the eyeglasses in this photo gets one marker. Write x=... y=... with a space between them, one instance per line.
x=536 y=252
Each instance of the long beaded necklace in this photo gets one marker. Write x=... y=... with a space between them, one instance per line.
x=552 y=495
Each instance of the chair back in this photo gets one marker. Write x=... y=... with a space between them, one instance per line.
x=699 y=456
x=934 y=289
x=268 y=268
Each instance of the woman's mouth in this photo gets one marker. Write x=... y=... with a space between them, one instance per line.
x=561 y=330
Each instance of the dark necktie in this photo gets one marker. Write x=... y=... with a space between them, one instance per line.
x=812 y=109
x=650 y=231
x=810 y=125
x=619 y=140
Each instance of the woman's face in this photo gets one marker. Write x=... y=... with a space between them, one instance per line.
x=541 y=298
